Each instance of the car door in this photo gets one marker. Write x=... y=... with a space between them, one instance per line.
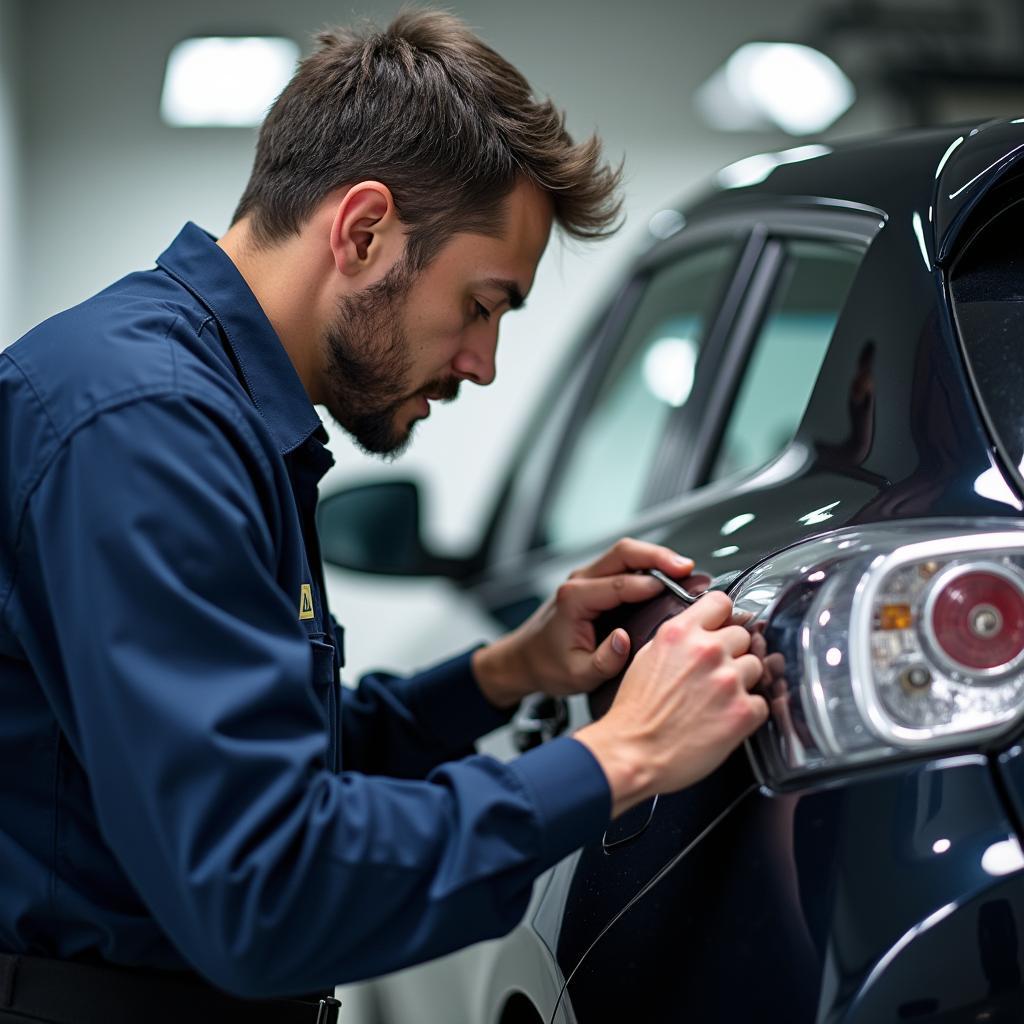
x=758 y=387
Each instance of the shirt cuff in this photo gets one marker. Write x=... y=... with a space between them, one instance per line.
x=449 y=704
x=571 y=795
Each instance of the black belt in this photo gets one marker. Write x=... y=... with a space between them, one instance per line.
x=64 y=992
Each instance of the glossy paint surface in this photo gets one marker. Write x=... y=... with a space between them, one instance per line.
x=975 y=160
x=871 y=897
x=806 y=907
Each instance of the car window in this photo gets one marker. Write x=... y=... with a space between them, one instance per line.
x=987 y=285
x=787 y=355
x=601 y=479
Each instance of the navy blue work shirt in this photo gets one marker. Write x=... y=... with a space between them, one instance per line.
x=183 y=783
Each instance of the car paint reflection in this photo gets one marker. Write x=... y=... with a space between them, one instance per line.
x=793 y=906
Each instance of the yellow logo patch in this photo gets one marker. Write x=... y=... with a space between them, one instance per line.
x=306 y=602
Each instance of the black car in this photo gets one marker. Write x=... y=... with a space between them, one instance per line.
x=813 y=386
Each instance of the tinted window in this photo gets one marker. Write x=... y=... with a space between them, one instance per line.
x=602 y=479
x=787 y=355
x=988 y=299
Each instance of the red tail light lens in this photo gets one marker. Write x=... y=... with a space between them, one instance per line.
x=977 y=620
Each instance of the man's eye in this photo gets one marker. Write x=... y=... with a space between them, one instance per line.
x=482 y=312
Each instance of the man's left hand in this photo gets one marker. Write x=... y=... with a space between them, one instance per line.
x=555 y=650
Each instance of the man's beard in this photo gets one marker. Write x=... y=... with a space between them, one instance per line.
x=368 y=366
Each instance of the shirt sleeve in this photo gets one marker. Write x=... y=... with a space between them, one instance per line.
x=191 y=708
x=405 y=727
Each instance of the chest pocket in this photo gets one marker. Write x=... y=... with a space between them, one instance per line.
x=326 y=687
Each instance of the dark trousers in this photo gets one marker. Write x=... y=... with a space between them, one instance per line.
x=34 y=990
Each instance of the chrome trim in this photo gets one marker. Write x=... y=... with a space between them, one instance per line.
x=819 y=722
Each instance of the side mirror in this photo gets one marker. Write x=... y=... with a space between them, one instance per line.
x=375 y=528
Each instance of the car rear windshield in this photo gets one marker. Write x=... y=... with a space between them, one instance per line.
x=987 y=287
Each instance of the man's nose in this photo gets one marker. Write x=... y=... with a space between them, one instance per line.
x=475 y=361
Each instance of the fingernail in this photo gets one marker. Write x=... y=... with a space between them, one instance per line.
x=618 y=644
x=680 y=561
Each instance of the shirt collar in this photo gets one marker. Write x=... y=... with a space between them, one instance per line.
x=197 y=262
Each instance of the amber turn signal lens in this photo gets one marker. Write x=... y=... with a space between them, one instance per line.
x=895 y=616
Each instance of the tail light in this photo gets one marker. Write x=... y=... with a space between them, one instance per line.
x=975 y=618
x=894 y=640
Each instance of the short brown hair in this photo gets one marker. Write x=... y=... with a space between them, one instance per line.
x=434 y=113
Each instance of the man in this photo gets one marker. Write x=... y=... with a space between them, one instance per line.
x=182 y=788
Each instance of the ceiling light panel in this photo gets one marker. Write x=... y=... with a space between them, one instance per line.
x=226 y=81
x=786 y=86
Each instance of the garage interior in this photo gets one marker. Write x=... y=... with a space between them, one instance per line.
x=96 y=177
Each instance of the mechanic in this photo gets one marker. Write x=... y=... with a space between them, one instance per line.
x=190 y=805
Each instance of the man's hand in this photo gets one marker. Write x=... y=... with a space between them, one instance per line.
x=555 y=650
x=682 y=708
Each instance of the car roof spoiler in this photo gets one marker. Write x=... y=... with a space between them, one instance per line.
x=976 y=161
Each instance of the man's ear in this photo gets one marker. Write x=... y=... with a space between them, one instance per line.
x=366 y=235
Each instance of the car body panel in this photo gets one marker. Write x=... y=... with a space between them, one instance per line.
x=793 y=906
x=830 y=901
x=976 y=161
x=899 y=365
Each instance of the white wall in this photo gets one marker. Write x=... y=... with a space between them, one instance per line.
x=10 y=154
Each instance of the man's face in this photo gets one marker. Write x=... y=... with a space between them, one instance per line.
x=410 y=339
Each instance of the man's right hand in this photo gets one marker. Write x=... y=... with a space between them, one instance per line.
x=682 y=708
